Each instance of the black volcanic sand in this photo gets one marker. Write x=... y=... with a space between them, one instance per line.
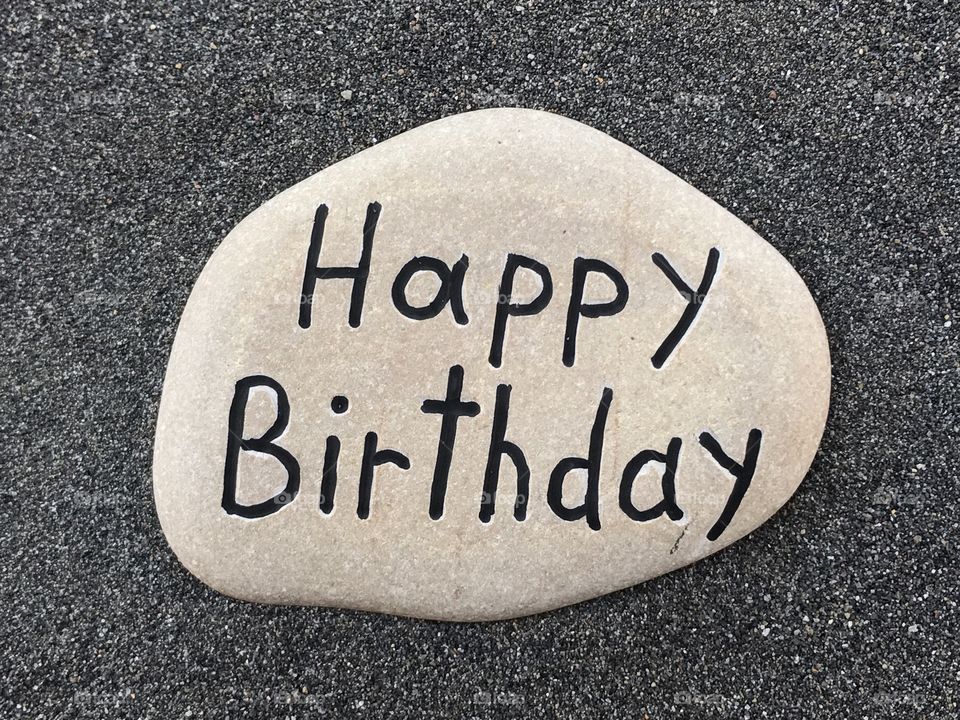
x=135 y=138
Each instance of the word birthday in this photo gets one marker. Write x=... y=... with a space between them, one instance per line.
x=452 y=409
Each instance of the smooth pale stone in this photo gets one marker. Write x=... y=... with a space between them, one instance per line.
x=483 y=184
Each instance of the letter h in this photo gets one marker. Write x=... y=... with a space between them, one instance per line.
x=358 y=274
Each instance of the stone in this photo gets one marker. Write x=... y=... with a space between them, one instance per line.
x=498 y=364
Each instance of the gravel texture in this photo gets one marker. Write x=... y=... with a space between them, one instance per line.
x=135 y=136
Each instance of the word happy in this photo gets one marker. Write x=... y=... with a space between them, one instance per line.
x=452 y=410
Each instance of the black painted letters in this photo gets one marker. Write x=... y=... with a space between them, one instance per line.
x=451 y=288
x=498 y=448
x=581 y=268
x=668 y=504
x=453 y=407
x=358 y=274
x=590 y=509
x=505 y=305
x=263 y=444
x=694 y=302
x=743 y=475
x=371 y=458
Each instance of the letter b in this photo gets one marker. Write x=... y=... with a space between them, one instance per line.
x=263 y=444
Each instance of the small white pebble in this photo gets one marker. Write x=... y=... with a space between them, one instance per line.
x=347 y=94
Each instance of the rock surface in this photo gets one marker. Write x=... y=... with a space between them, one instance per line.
x=646 y=333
